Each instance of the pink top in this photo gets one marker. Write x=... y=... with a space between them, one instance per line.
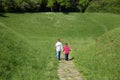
x=66 y=49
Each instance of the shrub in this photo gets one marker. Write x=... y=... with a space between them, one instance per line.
x=112 y=6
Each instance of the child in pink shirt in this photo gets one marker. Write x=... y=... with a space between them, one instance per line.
x=66 y=51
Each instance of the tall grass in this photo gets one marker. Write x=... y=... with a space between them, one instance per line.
x=13 y=52
x=20 y=61
x=100 y=60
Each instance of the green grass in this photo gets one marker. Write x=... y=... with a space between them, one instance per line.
x=25 y=60
x=100 y=60
x=14 y=52
x=39 y=32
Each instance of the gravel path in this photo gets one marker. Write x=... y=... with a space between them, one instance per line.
x=67 y=71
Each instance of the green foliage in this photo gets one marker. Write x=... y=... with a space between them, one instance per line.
x=42 y=5
x=61 y=2
x=83 y=4
x=51 y=3
x=60 y=5
x=112 y=6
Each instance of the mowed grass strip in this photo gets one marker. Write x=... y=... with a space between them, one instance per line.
x=41 y=31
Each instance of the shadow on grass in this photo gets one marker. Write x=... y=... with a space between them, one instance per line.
x=69 y=59
x=66 y=13
x=3 y=15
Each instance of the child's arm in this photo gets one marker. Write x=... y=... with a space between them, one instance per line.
x=63 y=49
x=69 y=49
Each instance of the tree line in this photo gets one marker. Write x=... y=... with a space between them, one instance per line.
x=110 y=6
x=44 y=5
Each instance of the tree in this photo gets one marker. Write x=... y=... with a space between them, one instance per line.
x=83 y=5
x=61 y=4
x=45 y=5
x=50 y=4
x=1 y=5
x=19 y=5
x=10 y=5
x=68 y=3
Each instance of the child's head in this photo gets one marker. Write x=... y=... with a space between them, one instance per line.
x=66 y=44
x=58 y=39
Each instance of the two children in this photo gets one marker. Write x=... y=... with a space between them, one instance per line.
x=66 y=49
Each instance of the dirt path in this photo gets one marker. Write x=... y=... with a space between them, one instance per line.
x=67 y=71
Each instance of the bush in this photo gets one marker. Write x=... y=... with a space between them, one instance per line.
x=112 y=6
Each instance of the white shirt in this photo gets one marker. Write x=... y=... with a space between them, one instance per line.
x=58 y=46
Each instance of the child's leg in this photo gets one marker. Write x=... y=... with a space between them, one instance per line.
x=58 y=55
x=66 y=57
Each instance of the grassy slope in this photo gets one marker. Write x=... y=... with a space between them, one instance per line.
x=14 y=52
x=42 y=29
x=100 y=60
x=31 y=25
x=44 y=66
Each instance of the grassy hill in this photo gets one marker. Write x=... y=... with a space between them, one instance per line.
x=100 y=60
x=38 y=32
x=111 y=6
x=13 y=52
x=18 y=59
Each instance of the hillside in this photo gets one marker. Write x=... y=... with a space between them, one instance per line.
x=23 y=58
x=13 y=52
x=32 y=36
x=17 y=61
x=111 y=6
x=100 y=60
